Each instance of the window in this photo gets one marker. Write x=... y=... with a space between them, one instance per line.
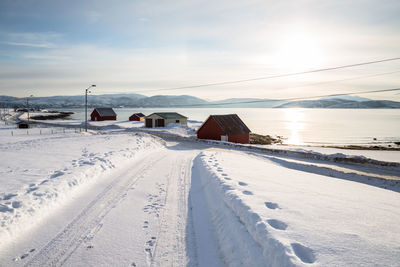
x=177 y=121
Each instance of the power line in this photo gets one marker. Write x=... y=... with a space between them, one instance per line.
x=312 y=84
x=290 y=99
x=341 y=80
x=273 y=76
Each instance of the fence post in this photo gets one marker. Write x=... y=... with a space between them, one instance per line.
x=12 y=133
x=27 y=132
x=40 y=131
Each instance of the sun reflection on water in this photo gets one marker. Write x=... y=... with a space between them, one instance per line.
x=294 y=118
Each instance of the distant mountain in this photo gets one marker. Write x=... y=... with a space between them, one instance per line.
x=111 y=100
x=340 y=103
x=247 y=103
x=347 y=97
x=137 y=100
x=169 y=101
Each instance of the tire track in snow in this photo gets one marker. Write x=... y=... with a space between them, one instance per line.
x=170 y=249
x=79 y=230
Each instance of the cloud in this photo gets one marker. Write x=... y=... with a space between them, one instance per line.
x=38 y=45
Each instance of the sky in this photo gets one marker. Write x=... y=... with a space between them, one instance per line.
x=52 y=47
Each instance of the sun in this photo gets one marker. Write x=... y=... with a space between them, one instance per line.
x=299 y=51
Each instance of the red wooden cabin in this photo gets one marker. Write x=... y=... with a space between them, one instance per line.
x=103 y=114
x=225 y=128
x=137 y=117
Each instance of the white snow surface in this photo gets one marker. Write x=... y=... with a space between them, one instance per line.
x=266 y=214
x=38 y=172
x=123 y=197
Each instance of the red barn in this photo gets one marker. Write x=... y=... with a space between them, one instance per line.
x=137 y=117
x=225 y=128
x=103 y=114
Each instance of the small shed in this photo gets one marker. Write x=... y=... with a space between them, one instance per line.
x=103 y=114
x=225 y=128
x=162 y=119
x=137 y=117
x=23 y=125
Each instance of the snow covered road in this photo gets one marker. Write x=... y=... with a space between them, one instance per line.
x=137 y=218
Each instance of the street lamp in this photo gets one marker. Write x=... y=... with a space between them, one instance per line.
x=27 y=105
x=86 y=92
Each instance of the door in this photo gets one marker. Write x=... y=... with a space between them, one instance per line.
x=160 y=123
x=149 y=123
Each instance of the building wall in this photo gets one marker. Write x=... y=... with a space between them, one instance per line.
x=154 y=117
x=135 y=118
x=239 y=138
x=95 y=115
x=210 y=130
x=181 y=121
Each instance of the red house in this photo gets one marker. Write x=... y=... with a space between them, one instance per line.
x=103 y=114
x=137 y=117
x=225 y=128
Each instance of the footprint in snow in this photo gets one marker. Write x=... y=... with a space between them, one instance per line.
x=4 y=208
x=9 y=196
x=247 y=192
x=43 y=182
x=31 y=189
x=16 y=204
x=242 y=184
x=277 y=224
x=227 y=178
x=56 y=174
x=304 y=253
x=271 y=205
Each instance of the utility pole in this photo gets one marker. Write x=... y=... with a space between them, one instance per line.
x=86 y=92
x=27 y=106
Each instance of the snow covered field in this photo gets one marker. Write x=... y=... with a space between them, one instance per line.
x=121 y=197
x=281 y=216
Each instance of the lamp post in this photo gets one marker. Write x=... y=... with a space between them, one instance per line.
x=27 y=105
x=86 y=92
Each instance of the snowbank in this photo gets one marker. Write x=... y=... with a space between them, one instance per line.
x=263 y=214
x=39 y=172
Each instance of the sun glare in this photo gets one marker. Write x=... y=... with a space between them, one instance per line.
x=294 y=124
x=299 y=51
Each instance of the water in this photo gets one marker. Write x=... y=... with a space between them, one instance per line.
x=299 y=126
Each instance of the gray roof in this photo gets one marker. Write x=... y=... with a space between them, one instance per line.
x=169 y=115
x=105 y=112
x=231 y=124
x=139 y=114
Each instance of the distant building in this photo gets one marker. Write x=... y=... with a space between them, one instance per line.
x=162 y=119
x=225 y=128
x=103 y=114
x=22 y=125
x=137 y=117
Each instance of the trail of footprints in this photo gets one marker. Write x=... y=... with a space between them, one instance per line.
x=304 y=253
x=154 y=207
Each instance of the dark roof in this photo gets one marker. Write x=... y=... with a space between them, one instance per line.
x=169 y=115
x=105 y=112
x=231 y=124
x=139 y=114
